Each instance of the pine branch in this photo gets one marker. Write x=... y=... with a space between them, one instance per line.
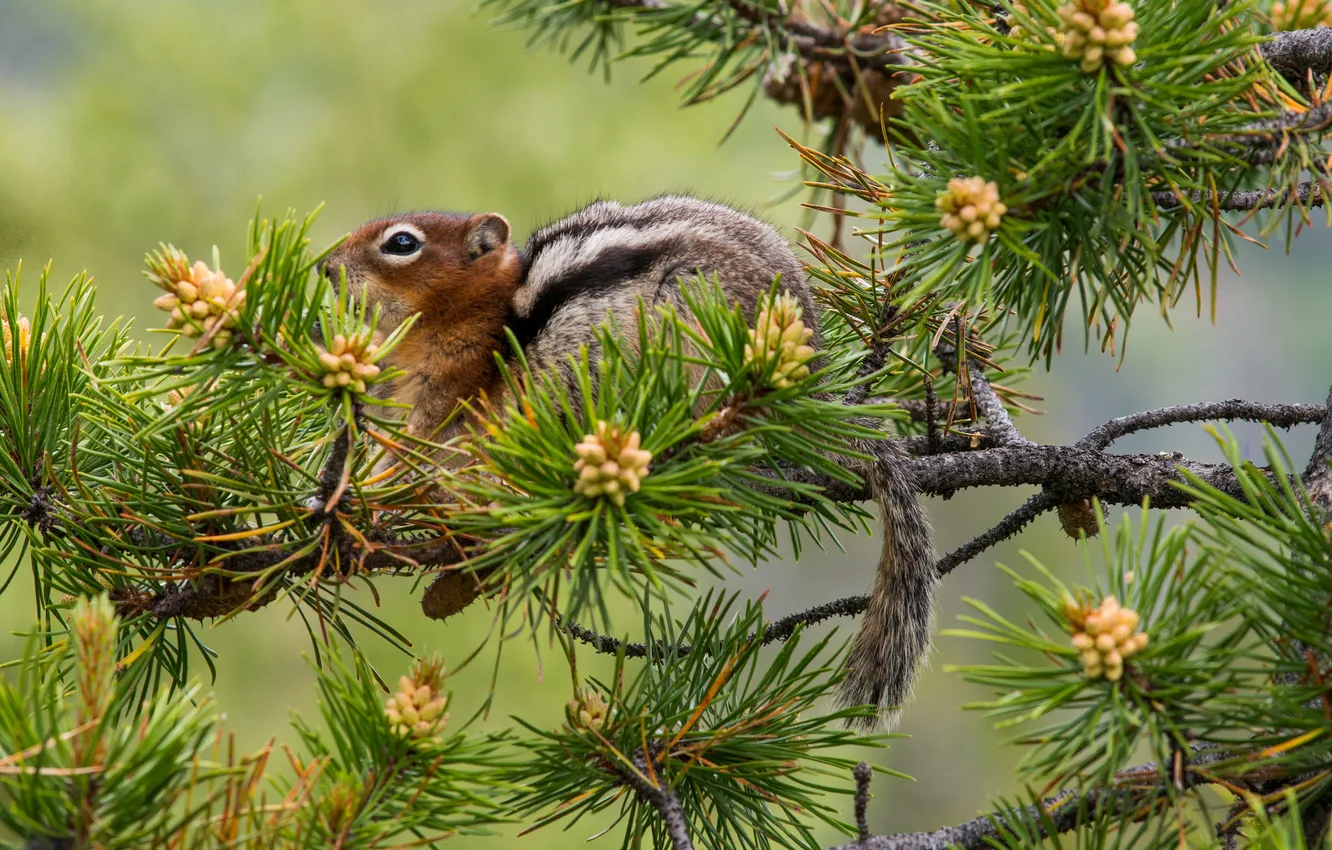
x=217 y=593
x=1318 y=474
x=1062 y=809
x=1298 y=52
x=1307 y=194
x=863 y=774
x=1130 y=797
x=1263 y=142
x=851 y=606
x=663 y=799
x=1066 y=473
x=1004 y=529
x=844 y=50
x=1278 y=415
x=1000 y=425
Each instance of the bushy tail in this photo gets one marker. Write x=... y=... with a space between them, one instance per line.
x=899 y=622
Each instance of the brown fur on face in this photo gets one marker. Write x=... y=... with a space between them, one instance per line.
x=460 y=280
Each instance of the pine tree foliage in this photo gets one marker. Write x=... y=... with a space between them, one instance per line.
x=1042 y=159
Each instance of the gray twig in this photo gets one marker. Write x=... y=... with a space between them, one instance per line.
x=1318 y=474
x=1296 y=52
x=850 y=606
x=1004 y=529
x=999 y=424
x=1058 y=814
x=1278 y=415
x=661 y=798
x=863 y=774
x=1306 y=194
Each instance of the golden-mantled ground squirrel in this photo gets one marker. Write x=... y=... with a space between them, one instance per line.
x=469 y=283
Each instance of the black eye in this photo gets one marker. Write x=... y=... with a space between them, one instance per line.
x=401 y=243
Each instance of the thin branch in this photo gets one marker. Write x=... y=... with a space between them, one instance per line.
x=216 y=593
x=1062 y=809
x=1004 y=529
x=1069 y=473
x=1262 y=141
x=1277 y=415
x=1129 y=796
x=872 y=363
x=839 y=48
x=1306 y=194
x=863 y=773
x=1318 y=474
x=999 y=424
x=932 y=414
x=1297 y=52
x=662 y=799
x=850 y=606
x=782 y=629
x=332 y=479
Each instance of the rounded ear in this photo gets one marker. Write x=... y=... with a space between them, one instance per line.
x=486 y=233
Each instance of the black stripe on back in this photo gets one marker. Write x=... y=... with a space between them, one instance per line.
x=602 y=273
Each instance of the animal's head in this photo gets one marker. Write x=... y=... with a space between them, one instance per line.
x=451 y=268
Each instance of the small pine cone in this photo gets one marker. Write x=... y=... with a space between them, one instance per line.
x=781 y=83
x=971 y=208
x=780 y=337
x=610 y=463
x=1301 y=14
x=349 y=362
x=416 y=710
x=872 y=93
x=1075 y=517
x=450 y=593
x=24 y=339
x=1098 y=33
x=1105 y=637
x=587 y=710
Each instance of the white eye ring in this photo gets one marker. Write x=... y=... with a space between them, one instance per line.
x=401 y=229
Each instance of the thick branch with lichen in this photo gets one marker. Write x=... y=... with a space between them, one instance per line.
x=1065 y=473
x=1134 y=794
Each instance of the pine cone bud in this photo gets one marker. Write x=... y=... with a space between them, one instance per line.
x=340 y=803
x=1079 y=516
x=782 y=84
x=610 y=463
x=587 y=710
x=971 y=208
x=1301 y=14
x=417 y=709
x=93 y=623
x=1105 y=637
x=198 y=299
x=349 y=362
x=24 y=339
x=1017 y=31
x=779 y=337
x=1098 y=32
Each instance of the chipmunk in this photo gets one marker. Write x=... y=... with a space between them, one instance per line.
x=469 y=283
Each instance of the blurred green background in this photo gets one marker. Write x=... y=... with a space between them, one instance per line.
x=126 y=124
